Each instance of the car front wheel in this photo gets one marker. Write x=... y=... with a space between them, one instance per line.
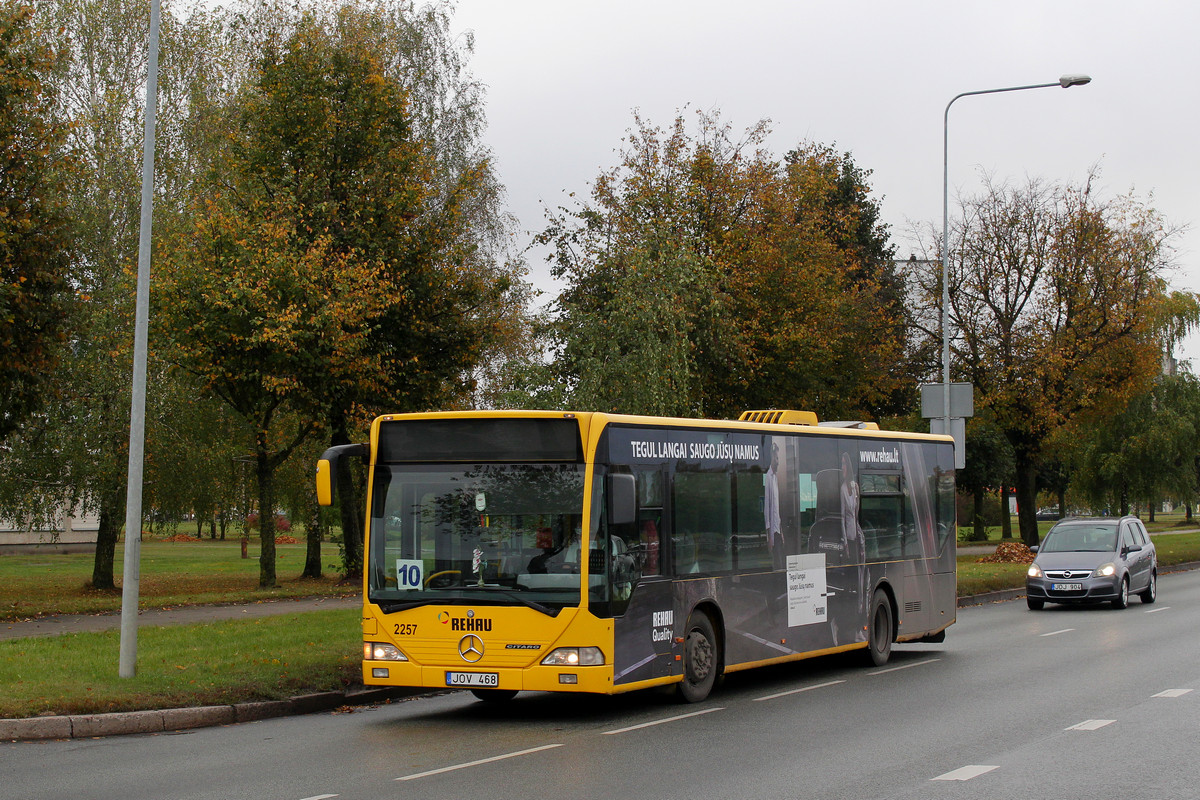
x=1122 y=598
x=1151 y=592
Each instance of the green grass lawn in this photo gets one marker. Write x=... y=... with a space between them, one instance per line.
x=1163 y=523
x=171 y=574
x=188 y=665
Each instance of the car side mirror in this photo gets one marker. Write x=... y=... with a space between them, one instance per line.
x=1133 y=549
x=1033 y=549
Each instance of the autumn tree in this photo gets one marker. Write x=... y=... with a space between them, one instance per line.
x=1059 y=309
x=705 y=277
x=1145 y=453
x=330 y=271
x=76 y=454
x=35 y=242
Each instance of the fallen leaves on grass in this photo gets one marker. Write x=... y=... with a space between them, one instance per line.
x=1009 y=553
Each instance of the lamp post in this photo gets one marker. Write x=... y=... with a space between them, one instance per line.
x=1066 y=81
x=131 y=571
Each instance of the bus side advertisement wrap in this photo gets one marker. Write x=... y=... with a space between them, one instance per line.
x=766 y=531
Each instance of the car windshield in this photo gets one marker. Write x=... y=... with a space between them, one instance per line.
x=490 y=533
x=1080 y=538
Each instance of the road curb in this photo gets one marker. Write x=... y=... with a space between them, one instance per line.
x=85 y=726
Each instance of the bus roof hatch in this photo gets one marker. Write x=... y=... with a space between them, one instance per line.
x=780 y=417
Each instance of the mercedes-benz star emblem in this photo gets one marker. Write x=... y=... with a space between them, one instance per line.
x=470 y=647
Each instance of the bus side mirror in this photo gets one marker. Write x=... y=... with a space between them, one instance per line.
x=327 y=469
x=622 y=499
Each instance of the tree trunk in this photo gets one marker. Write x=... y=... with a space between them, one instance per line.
x=348 y=504
x=112 y=513
x=1027 y=501
x=266 y=515
x=1062 y=502
x=312 y=557
x=1005 y=514
x=979 y=532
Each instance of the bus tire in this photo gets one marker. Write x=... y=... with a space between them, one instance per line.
x=494 y=695
x=701 y=659
x=880 y=629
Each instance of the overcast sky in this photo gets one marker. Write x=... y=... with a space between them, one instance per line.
x=872 y=78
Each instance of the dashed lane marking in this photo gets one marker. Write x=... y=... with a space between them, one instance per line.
x=904 y=666
x=1090 y=725
x=797 y=691
x=966 y=773
x=664 y=721
x=479 y=762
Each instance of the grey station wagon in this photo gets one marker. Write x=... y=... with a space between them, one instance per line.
x=1092 y=561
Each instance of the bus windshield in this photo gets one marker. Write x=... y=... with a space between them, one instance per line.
x=483 y=533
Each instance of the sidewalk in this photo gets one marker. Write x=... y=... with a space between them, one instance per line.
x=181 y=615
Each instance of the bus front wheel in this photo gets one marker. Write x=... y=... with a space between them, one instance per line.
x=879 y=629
x=701 y=659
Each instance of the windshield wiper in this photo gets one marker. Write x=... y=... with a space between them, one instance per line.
x=536 y=606
x=391 y=607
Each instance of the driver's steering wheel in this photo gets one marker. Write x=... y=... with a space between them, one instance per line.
x=444 y=579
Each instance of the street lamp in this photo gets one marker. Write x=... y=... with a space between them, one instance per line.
x=1066 y=82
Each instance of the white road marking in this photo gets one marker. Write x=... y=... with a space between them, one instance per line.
x=664 y=721
x=1160 y=608
x=905 y=666
x=320 y=797
x=1090 y=725
x=965 y=773
x=1056 y=633
x=797 y=691
x=477 y=763
x=1172 y=693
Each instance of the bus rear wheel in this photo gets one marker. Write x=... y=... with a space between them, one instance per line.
x=879 y=629
x=701 y=659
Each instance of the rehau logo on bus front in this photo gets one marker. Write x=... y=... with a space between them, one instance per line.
x=468 y=623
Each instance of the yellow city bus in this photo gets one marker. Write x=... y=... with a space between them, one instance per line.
x=590 y=552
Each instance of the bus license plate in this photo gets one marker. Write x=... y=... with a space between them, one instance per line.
x=1066 y=587
x=486 y=679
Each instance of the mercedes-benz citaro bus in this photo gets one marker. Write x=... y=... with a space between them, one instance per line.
x=590 y=552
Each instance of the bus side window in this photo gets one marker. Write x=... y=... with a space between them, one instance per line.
x=703 y=522
x=750 y=540
x=650 y=521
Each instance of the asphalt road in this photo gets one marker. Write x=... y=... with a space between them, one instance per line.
x=1062 y=703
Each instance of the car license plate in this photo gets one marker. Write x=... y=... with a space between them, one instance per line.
x=485 y=679
x=1066 y=587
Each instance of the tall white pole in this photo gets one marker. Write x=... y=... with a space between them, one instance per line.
x=1065 y=82
x=137 y=412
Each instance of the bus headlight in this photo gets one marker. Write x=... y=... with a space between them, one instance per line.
x=574 y=657
x=381 y=651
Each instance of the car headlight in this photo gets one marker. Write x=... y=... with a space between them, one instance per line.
x=574 y=657
x=381 y=651
x=1106 y=571
x=1034 y=571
